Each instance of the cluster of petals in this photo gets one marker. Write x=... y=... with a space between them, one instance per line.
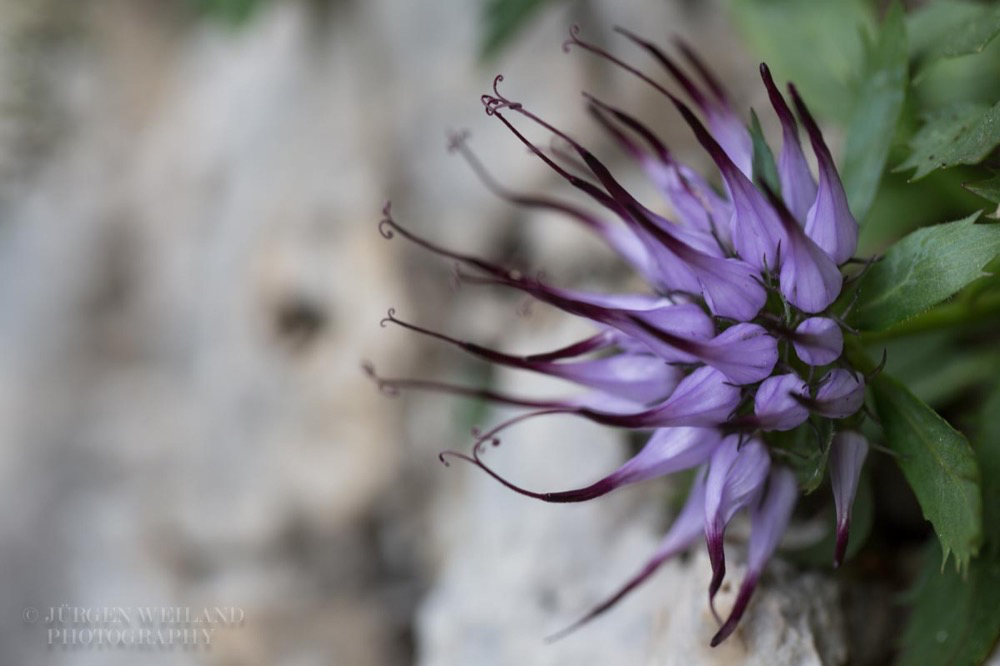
x=736 y=338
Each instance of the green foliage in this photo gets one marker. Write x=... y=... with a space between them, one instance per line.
x=902 y=207
x=816 y=44
x=963 y=133
x=970 y=36
x=988 y=189
x=938 y=463
x=923 y=269
x=952 y=29
x=502 y=20
x=967 y=632
x=928 y=24
x=873 y=122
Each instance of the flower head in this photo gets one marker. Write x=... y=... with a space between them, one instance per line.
x=737 y=339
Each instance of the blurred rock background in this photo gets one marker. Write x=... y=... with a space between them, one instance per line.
x=190 y=277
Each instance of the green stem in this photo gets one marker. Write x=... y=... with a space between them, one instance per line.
x=948 y=315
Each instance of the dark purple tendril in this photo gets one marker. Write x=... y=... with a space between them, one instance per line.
x=384 y=387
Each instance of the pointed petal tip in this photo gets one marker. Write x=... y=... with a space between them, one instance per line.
x=739 y=608
x=717 y=558
x=722 y=634
x=847 y=457
x=840 y=549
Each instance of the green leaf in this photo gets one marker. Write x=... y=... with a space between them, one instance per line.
x=968 y=631
x=927 y=25
x=764 y=168
x=970 y=36
x=923 y=269
x=970 y=628
x=955 y=619
x=876 y=114
x=502 y=20
x=953 y=29
x=939 y=465
x=816 y=44
x=963 y=133
x=987 y=189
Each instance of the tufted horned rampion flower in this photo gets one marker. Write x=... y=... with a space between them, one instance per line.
x=733 y=360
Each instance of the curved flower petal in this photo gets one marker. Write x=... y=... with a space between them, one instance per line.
x=669 y=450
x=847 y=456
x=808 y=279
x=693 y=194
x=818 y=341
x=696 y=204
x=637 y=377
x=757 y=230
x=726 y=126
x=746 y=353
x=798 y=189
x=841 y=394
x=768 y=522
x=704 y=398
x=736 y=475
x=619 y=238
x=775 y=408
x=829 y=222
x=731 y=287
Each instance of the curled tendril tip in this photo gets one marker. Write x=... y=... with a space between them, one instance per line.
x=574 y=38
x=386 y=224
x=385 y=387
x=389 y=318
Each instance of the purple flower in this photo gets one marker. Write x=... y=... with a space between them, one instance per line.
x=847 y=455
x=818 y=341
x=768 y=519
x=776 y=405
x=735 y=341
